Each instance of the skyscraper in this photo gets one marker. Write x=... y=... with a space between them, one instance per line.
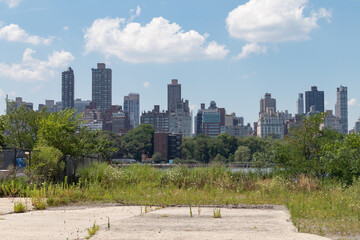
x=300 y=104
x=314 y=98
x=132 y=108
x=101 y=87
x=68 y=89
x=267 y=102
x=341 y=108
x=174 y=95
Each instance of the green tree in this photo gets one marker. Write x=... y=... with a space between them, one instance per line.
x=302 y=148
x=21 y=126
x=138 y=141
x=63 y=131
x=256 y=144
x=229 y=144
x=341 y=158
x=242 y=154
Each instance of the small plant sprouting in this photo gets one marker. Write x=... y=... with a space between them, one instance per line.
x=199 y=211
x=141 y=211
x=190 y=211
x=146 y=209
x=217 y=213
x=108 y=223
x=19 y=207
x=92 y=231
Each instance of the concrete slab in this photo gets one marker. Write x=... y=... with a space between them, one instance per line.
x=7 y=204
x=127 y=222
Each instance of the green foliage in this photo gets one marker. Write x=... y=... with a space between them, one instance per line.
x=138 y=141
x=92 y=231
x=46 y=164
x=19 y=207
x=60 y=130
x=21 y=126
x=219 y=158
x=38 y=203
x=302 y=150
x=341 y=158
x=158 y=157
x=242 y=154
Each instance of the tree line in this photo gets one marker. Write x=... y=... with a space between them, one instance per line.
x=307 y=149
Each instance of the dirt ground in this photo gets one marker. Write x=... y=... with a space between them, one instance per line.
x=131 y=222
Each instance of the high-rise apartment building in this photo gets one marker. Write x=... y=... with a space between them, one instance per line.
x=159 y=120
x=174 y=95
x=314 y=98
x=341 y=108
x=300 y=104
x=101 y=87
x=267 y=102
x=68 y=89
x=331 y=122
x=132 y=108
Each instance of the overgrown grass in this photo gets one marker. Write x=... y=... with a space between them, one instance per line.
x=316 y=206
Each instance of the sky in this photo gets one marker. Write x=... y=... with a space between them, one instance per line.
x=232 y=52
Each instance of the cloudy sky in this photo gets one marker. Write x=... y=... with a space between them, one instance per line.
x=229 y=51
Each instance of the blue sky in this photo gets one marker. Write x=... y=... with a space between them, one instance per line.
x=230 y=51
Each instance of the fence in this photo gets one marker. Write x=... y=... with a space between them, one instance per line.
x=8 y=157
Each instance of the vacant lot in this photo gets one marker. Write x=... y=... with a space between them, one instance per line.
x=131 y=222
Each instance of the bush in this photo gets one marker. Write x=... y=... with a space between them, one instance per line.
x=158 y=157
x=45 y=164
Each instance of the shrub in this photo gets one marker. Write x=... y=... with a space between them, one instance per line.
x=45 y=163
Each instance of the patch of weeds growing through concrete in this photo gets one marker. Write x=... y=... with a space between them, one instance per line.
x=39 y=203
x=92 y=231
x=19 y=207
x=217 y=213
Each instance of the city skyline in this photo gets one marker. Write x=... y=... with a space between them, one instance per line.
x=235 y=72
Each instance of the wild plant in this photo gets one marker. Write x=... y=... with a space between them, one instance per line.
x=19 y=207
x=217 y=213
x=92 y=231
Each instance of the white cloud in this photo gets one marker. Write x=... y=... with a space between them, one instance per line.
x=66 y=28
x=11 y=3
x=352 y=102
x=13 y=33
x=137 y=13
x=146 y=84
x=32 y=69
x=273 y=21
x=251 y=48
x=158 y=41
